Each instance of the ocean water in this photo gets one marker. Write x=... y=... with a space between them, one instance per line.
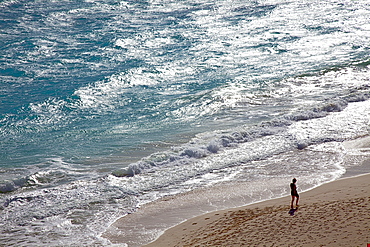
x=106 y=106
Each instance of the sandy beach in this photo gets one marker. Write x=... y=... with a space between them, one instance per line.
x=333 y=214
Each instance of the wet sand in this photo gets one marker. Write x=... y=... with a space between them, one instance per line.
x=333 y=214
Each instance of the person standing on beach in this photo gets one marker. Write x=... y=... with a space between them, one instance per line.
x=294 y=193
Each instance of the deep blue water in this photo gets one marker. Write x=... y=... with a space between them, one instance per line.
x=120 y=99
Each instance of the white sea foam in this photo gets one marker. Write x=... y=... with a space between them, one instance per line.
x=105 y=94
x=125 y=43
x=7 y=3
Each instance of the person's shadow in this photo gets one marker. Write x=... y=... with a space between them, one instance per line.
x=292 y=211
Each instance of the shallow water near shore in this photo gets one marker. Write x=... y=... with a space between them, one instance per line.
x=109 y=107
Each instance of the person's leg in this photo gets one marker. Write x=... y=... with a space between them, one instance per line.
x=291 y=205
x=296 y=202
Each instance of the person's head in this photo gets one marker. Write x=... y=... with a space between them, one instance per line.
x=294 y=180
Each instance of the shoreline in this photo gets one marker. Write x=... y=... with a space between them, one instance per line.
x=172 y=209
x=333 y=214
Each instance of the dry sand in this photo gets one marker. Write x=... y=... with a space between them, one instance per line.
x=333 y=214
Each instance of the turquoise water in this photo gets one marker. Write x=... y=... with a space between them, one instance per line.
x=107 y=105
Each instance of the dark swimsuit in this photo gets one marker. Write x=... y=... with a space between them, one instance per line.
x=293 y=191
